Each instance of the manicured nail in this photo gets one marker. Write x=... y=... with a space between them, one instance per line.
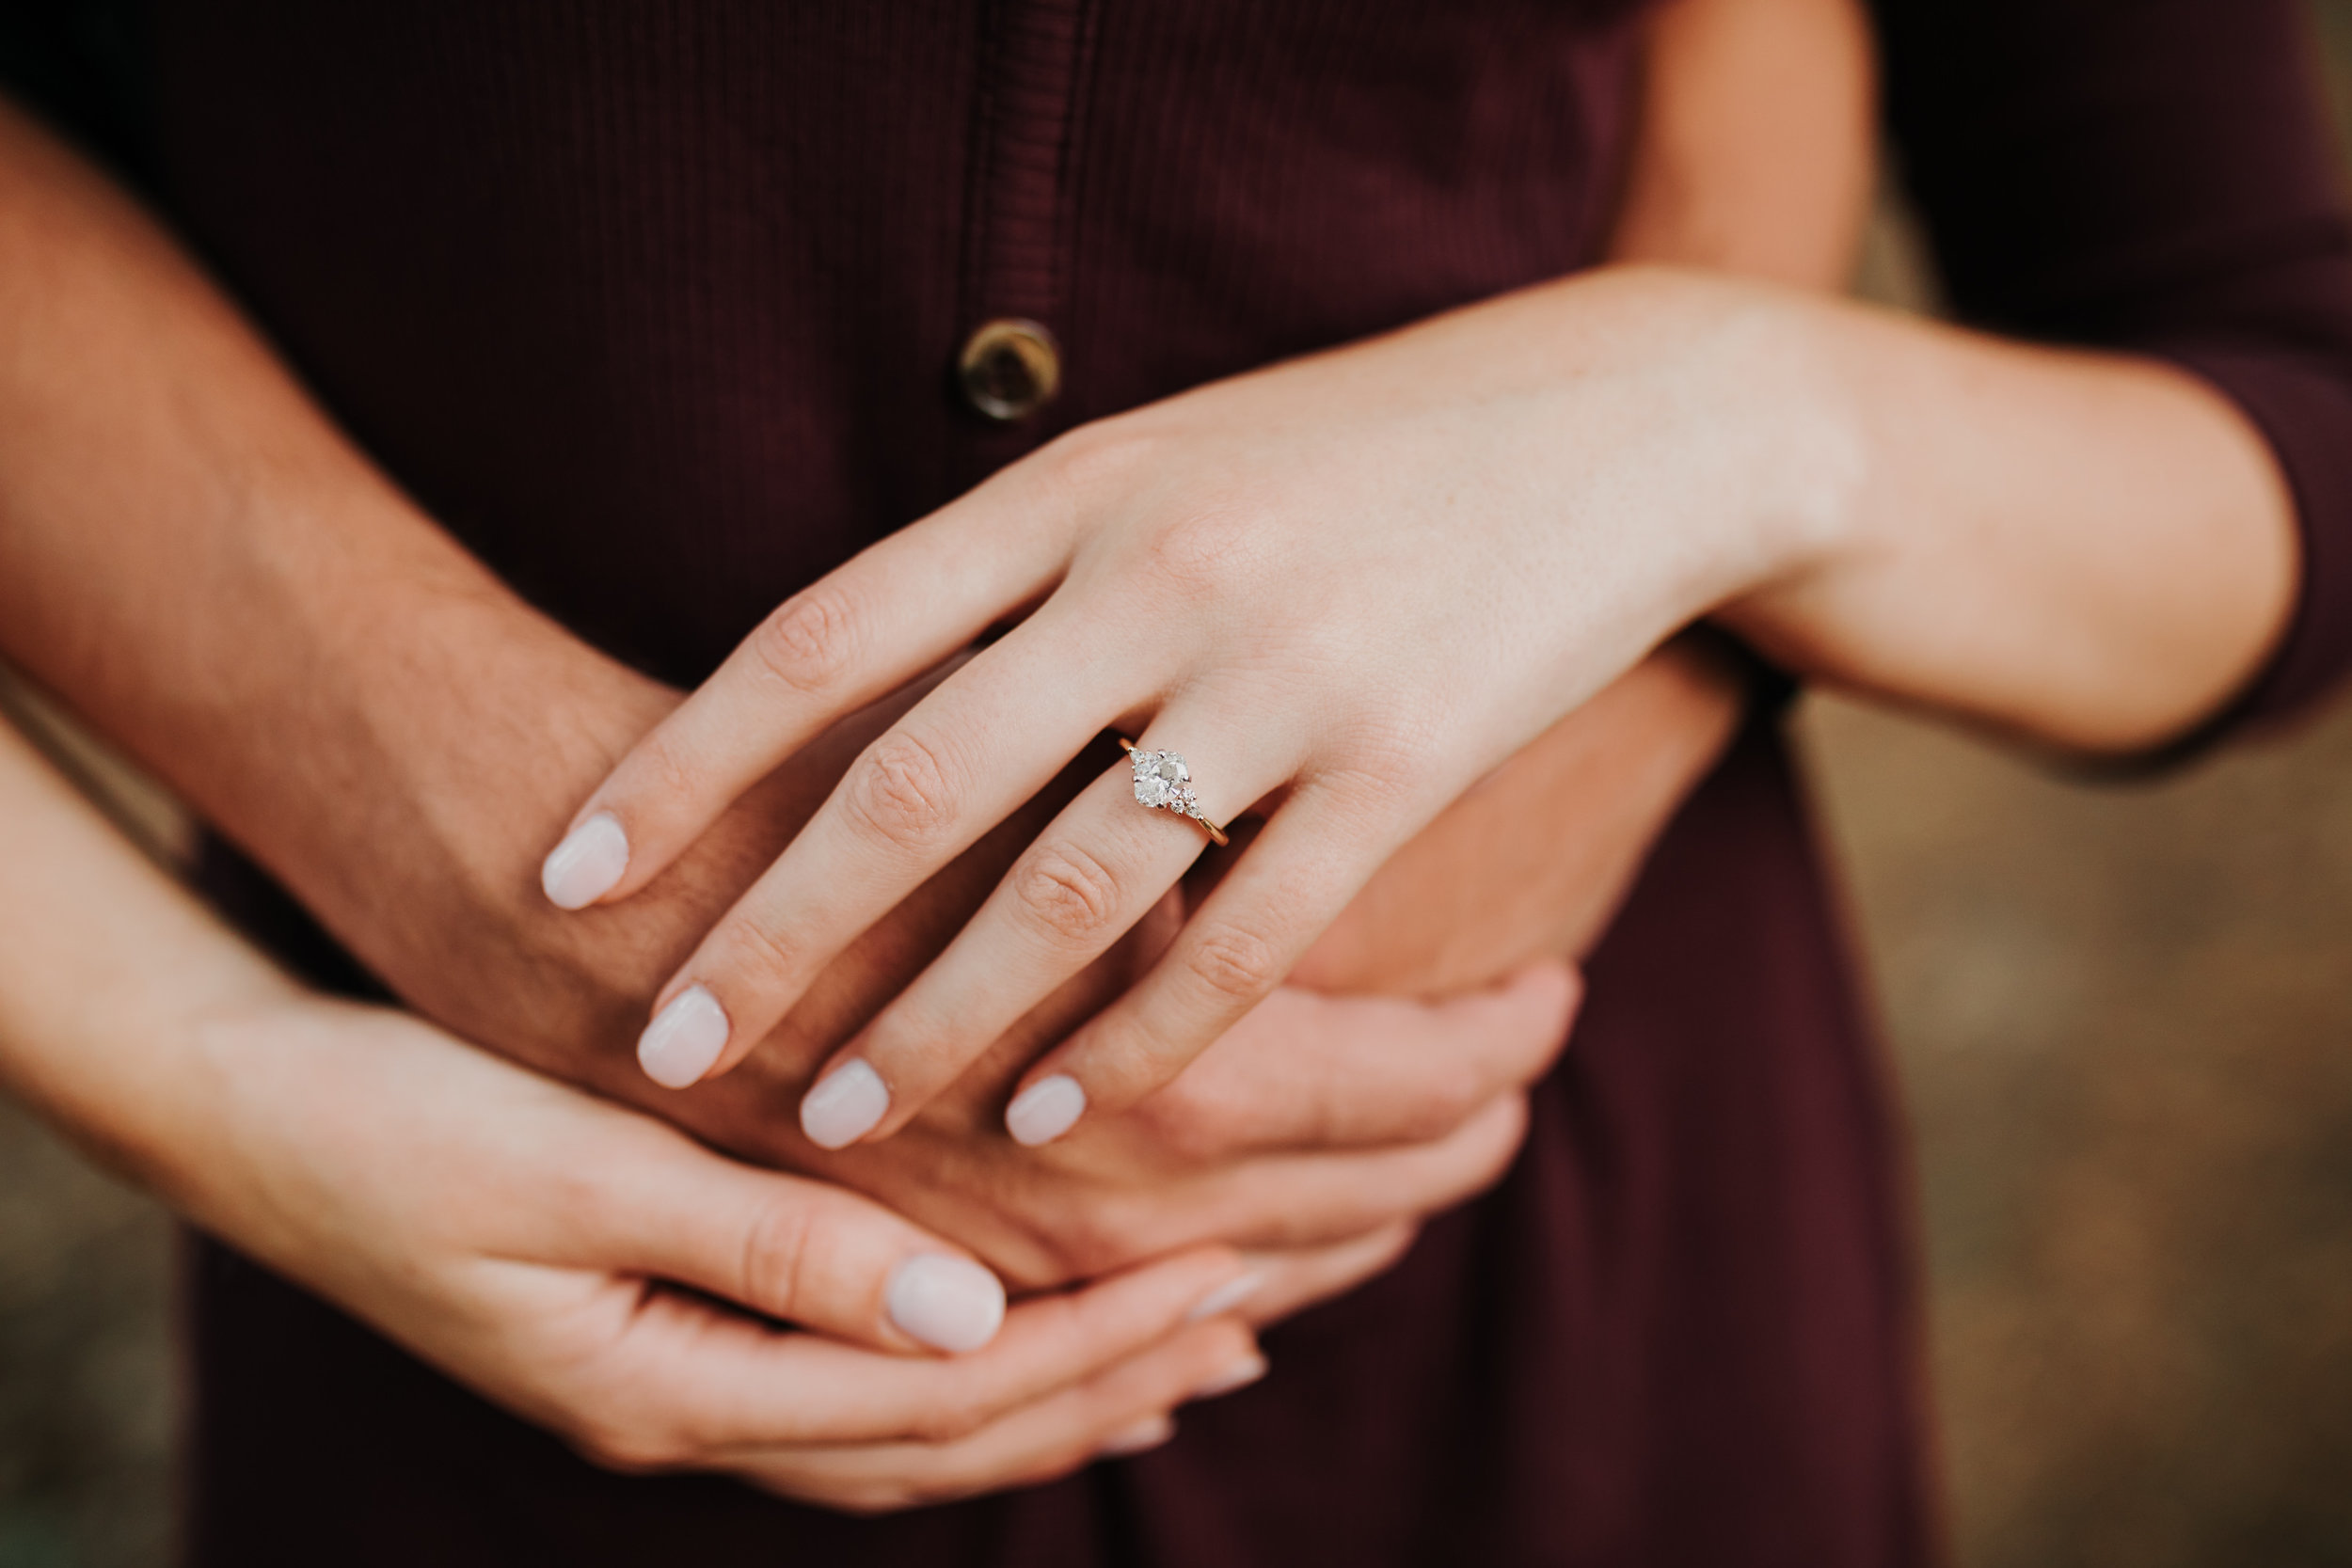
x=1241 y=1374
x=683 y=1039
x=844 y=1107
x=1045 y=1110
x=1141 y=1438
x=1225 y=1297
x=584 y=866
x=950 y=1303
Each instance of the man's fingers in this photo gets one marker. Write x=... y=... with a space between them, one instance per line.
x=1337 y=1197
x=1120 y=1411
x=1303 y=1070
x=899 y=608
x=1292 y=1281
x=1288 y=1201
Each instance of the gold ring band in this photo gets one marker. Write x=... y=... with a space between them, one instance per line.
x=1163 y=783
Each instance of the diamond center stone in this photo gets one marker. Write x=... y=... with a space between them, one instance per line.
x=1158 y=776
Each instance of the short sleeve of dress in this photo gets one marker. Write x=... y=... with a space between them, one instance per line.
x=2158 y=176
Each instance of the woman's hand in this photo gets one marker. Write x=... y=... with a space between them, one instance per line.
x=1344 y=588
x=1424 y=1116
x=587 y=1266
x=533 y=1241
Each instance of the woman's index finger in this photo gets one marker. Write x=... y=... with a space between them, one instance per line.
x=899 y=608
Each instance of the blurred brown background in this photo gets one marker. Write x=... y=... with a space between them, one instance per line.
x=2122 y=1019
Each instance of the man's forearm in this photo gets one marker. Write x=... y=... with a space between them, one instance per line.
x=199 y=561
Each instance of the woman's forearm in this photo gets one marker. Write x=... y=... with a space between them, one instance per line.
x=2092 y=550
x=107 y=973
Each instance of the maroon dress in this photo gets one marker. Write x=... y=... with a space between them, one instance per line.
x=654 y=306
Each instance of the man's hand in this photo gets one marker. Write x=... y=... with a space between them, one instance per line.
x=1533 y=861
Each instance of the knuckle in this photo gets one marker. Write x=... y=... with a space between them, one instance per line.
x=951 y=1419
x=810 y=642
x=667 y=773
x=759 y=955
x=1200 y=553
x=901 y=794
x=1233 y=962
x=1434 y=1114
x=1099 y=1235
x=1196 y=1123
x=1431 y=1106
x=1068 y=893
x=779 y=1255
x=1100 y=456
x=1384 y=756
x=1075 y=1227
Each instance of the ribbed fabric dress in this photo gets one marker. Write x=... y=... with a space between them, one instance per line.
x=654 y=305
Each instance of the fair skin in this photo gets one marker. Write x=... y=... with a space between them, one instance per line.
x=1370 y=574
x=351 y=1148
x=197 y=559
x=1753 y=158
x=206 y=569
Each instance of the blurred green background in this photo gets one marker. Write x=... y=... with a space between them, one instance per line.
x=2122 y=1019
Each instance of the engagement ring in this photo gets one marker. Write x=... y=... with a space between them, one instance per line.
x=1165 y=784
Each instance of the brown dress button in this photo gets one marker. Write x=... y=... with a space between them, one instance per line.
x=1009 y=369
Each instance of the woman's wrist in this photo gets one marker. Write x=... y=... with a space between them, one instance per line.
x=1773 y=461
x=228 y=1159
x=104 y=966
x=1739 y=462
x=2090 y=549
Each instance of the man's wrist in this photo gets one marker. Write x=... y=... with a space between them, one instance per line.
x=492 y=787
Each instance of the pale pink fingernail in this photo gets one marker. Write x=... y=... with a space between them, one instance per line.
x=1241 y=1374
x=950 y=1303
x=1045 y=1110
x=586 y=864
x=1225 y=1297
x=1144 y=1436
x=844 y=1107
x=683 y=1039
